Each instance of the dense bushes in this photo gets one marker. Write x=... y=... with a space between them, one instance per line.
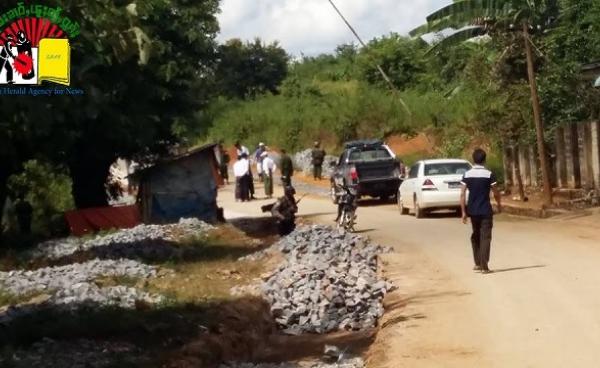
x=48 y=191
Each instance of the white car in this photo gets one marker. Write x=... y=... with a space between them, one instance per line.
x=432 y=185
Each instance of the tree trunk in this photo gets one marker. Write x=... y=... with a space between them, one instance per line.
x=89 y=184
x=537 y=116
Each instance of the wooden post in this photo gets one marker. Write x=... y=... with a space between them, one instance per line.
x=518 y=177
x=587 y=156
x=508 y=167
x=595 y=137
x=572 y=157
x=533 y=165
x=561 y=161
x=524 y=165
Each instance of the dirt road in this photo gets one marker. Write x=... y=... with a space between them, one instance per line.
x=540 y=307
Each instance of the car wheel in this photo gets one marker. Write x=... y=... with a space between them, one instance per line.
x=419 y=212
x=403 y=210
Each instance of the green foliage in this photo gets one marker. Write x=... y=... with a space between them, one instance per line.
x=249 y=69
x=143 y=69
x=575 y=41
x=400 y=57
x=333 y=113
x=49 y=193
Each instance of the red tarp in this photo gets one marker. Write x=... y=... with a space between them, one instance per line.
x=90 y=220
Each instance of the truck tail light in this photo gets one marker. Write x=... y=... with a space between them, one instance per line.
x=428 y=185
x=354 y=174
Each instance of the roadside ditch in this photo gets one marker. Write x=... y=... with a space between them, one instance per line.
x=194 y=295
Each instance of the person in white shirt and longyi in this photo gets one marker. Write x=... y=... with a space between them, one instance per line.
x=241 y=170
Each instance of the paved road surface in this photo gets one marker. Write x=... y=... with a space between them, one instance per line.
x=540 y=308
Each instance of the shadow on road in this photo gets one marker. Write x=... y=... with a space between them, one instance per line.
x=516 y=268
x=317 y=214
x=364 y=231
x=375 y=202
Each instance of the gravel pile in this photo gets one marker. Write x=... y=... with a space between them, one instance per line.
x=80 y=353
x=346 y=363
x=73 y=286
x=64 y=277
x=329 y=282
x=303 y=162
x=148 y=241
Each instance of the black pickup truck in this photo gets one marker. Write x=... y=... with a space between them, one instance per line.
x=370 y=167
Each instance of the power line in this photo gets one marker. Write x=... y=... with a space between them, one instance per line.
x=379 y=68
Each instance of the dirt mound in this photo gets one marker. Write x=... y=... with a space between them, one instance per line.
x=405 y=145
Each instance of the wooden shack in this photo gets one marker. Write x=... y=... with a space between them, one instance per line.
x=183 y=186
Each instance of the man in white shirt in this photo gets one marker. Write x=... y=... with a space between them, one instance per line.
x=244 y=150
x=268 y=168
x=241 y=170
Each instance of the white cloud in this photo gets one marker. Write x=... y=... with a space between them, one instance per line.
x=312 y=26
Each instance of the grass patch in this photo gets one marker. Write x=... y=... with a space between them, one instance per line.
x=210 y=268
x=108 y=281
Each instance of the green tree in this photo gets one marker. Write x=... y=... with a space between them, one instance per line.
x=48 y=190
x=401 y=58
x=477 y=17
x=573 y=42
x=251 y=68
x=146 y=68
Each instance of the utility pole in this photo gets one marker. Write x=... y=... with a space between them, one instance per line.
x=537 y=117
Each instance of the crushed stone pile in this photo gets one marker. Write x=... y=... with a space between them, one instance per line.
x=58 y=278
x=73 y=286
x=78 y=353
x=303 y=162
x=345 y=363
x=328 y=282
x=147 y=241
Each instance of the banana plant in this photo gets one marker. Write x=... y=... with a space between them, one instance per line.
x=473 y=18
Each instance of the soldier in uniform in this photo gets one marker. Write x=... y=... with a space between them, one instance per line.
x=318 y=156
x=287 y=169
x=285 y=210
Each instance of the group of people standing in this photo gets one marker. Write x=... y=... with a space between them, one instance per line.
x=265 y=168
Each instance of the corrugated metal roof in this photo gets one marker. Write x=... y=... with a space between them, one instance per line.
x=171 y=159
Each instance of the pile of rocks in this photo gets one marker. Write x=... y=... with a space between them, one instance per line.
x=303 y=162
x=146 y=241
x=73 y=286
x=345 y=363
x=78 y=353
x=59 y=278
x=329 y=282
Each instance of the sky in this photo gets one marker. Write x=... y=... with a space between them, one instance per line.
x=311 y=27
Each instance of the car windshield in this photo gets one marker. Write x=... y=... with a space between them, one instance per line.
x=369 y=154
x=448 y=168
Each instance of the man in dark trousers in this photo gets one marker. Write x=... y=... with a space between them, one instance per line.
x=479 y=181
x=318 y=156
x=287 y=169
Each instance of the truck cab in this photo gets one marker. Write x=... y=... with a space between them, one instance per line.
x=370 y=167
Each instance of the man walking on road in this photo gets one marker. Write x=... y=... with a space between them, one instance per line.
x=318 y=156
x=479 y=181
